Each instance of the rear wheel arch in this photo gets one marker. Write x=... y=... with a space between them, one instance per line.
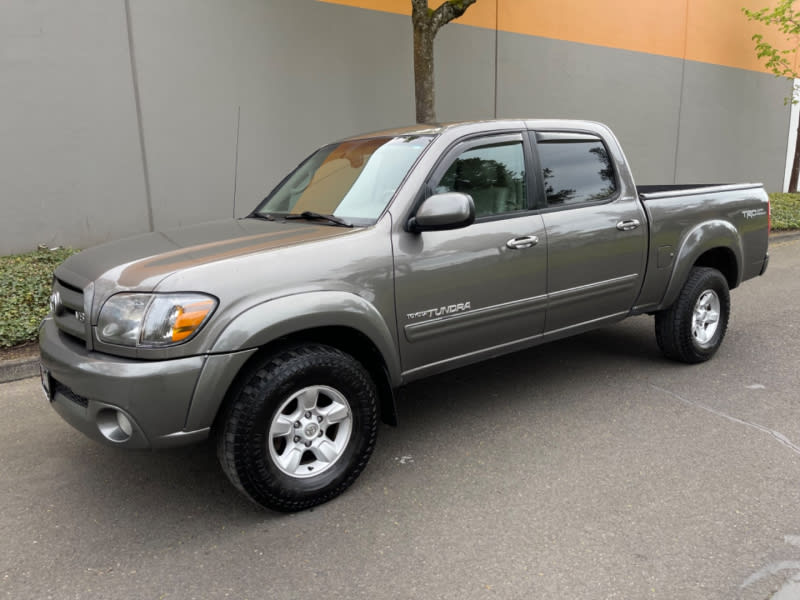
x=723 y=259
x=713 y=244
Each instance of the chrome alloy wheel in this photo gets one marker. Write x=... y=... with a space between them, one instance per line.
x=705 y=318
x=310 y=431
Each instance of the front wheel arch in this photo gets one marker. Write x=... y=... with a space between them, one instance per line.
x=348 y=340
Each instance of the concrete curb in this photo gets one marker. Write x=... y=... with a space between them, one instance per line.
x=784 y=236
x=20 y=368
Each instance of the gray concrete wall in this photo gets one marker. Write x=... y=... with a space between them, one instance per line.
x=465 y=73
x=70 y=160
x=234 y=94
x=637 y=95
x=734 y=126
x=122 y=112
x=678 y=121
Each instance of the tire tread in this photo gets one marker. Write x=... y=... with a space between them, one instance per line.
x=236 y=451
x=673 y=325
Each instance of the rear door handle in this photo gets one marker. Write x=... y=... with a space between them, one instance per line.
x=628 y=225
x=519 y=243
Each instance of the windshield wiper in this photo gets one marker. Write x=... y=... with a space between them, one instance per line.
x=262 y=216
x=314 y=216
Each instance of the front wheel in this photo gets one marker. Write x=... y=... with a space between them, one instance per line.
x=692 y=329
x=300 y=428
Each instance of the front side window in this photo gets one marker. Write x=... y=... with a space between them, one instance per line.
x=493 y=175
x=575 y=170
x=353 y=180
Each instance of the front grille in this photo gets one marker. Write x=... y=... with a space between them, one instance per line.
x=60 y=388
x=69 y=310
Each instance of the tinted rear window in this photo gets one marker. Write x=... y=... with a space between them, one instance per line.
x=576 y=170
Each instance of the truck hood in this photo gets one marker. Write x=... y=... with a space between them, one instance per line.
x=142 y=261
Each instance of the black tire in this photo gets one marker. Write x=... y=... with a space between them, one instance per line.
x=674 y=326
x=250 y=451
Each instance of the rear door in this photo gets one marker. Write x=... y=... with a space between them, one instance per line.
x=596 y=232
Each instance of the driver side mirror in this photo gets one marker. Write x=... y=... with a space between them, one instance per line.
x=451 y=210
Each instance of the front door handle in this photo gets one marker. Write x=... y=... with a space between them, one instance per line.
x=628 y=225
x=519 y=243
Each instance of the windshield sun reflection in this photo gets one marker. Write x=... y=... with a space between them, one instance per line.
x=353 y=180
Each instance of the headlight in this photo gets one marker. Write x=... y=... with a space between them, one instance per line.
x=153 y=320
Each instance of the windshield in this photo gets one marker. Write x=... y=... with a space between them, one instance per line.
x=353 y=180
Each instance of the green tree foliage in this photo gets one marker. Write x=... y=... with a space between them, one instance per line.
x=786 y=19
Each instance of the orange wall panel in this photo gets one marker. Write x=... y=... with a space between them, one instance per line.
x=481 y=14
x=400 y=7
x=709 y=31
x=652 y=26
x=719 y=33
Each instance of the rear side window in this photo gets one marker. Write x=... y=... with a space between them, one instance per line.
x=576 y=168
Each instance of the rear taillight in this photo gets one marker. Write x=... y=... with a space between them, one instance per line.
x=769 y=216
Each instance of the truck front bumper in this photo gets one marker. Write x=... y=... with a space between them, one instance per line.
x=123 y=402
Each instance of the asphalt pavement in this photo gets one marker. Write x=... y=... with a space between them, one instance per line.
x=587 y=468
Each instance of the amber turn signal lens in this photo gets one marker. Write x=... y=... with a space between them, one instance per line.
x=189 y=318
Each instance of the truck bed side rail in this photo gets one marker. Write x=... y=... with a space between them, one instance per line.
x=655 y=192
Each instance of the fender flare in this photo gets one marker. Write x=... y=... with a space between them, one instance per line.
x=280 y=317
x=706 y=236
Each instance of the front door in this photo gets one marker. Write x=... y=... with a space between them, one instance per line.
x=470 y=293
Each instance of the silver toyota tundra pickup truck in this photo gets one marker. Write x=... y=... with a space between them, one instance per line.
x=379 y=260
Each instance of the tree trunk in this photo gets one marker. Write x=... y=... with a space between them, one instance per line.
x=423 y=72
x=795 y=163
x=426 y=23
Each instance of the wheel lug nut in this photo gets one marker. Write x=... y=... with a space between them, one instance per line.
x=319 y=419
x=297 y=424
x=308 y=414
x=321 y=433
x=296 y=439
x=308 y=444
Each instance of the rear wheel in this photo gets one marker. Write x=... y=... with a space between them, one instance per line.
x=300 y=429
x=693 y=328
